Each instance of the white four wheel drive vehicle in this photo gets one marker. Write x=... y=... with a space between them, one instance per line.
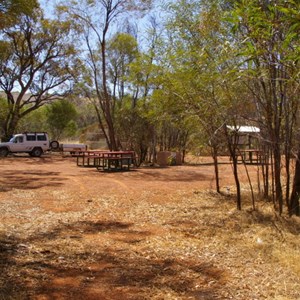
x=33 y=143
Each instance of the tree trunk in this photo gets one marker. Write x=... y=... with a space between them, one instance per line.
x=237 y=183
x=277 y=176
x=216 y=167
x=294 y=200
x=108 y=107
x=10 y=125
x=266 y=173
x=111 y=133
x=232 y=147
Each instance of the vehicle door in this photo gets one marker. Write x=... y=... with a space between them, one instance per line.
x=18 y=144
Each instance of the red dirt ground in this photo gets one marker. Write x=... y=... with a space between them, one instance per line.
x=52 y=172
x=69 y=232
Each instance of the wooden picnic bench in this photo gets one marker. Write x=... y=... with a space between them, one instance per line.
x=115 y=164
x=89 y=158
x=107 y=160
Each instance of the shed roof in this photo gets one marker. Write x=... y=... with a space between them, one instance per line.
x=244 y=129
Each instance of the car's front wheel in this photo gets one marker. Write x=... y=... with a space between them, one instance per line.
x=3 y=152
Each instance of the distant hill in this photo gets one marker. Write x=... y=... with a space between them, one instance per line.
x=15 y=95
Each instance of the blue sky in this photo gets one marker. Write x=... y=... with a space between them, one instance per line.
x=49 y=5
x=142 y=23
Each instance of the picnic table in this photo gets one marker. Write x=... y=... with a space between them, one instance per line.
x=107 y=160
x=252 y=156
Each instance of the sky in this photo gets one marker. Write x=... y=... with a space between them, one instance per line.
x=49 y=6
x=142 y=23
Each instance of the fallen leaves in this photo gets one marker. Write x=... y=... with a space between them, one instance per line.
x=186 y=244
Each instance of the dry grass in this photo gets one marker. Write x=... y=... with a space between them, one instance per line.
x=193 y=246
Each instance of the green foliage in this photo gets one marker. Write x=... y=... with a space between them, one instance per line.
x=198 y=79
x=132 y=126
x=107 y=57
x=35 y=121
x=5 y=50
x=36 y=59
x=124 y=44
x=266 y=29
x=122 y=50
x=12 y=10
x=3 y=113
x=269 y=53
x=61 y=116
x=18 y=6
x=71 y=129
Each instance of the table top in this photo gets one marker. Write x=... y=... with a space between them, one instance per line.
x=104 y=153
x=250 y=150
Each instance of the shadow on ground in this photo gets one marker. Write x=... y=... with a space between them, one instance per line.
x=41 y=268
x=169 y=174
x=26 y=180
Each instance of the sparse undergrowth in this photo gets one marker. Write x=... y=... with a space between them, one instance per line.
x=193 y=246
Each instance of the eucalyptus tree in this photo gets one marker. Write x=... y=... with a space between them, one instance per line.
x=122 y=51
x=12 y=10
x=135 y=116
x=61 y=117
x=269 y=46
x=168 y=110
x=35 y=66
x=97 y=21
x=146 y=80
x=202 y=71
